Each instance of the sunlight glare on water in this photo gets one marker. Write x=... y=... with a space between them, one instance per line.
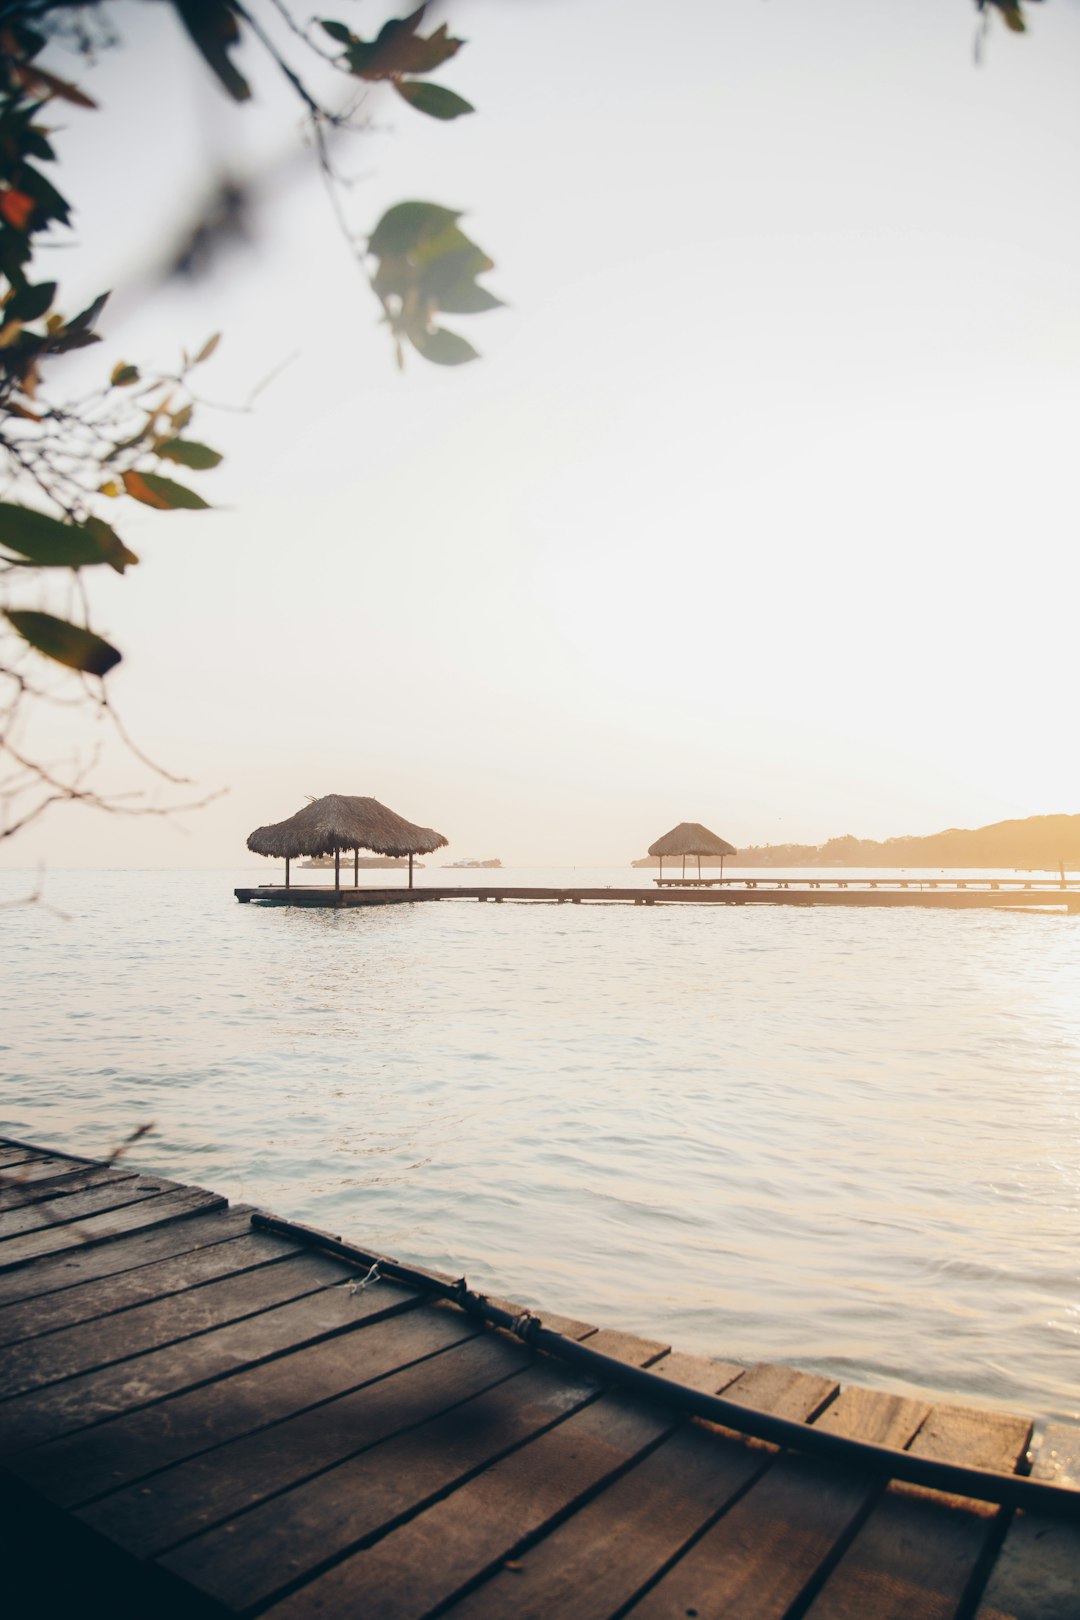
x=845 y=1139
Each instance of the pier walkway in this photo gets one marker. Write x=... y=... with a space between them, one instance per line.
x=208 y=1412
x=962 y=895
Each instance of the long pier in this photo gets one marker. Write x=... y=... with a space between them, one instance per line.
x=208 y=1411
x=959 y=895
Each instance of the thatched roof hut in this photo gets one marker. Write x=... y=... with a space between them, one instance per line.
x=340 y=821
x=691 y=838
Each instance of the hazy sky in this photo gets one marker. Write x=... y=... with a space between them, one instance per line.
x=760 y=509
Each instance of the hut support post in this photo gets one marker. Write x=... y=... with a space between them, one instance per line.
x=337 y=869
x=356 y=868
x=410 y=869
x=661 y=869
x=286 y=871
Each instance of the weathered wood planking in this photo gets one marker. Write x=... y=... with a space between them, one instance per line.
x=127 y=1252
x=455 y=1429
x=88 y=1346
x=66 y=1308
x=920 y=1547
x=157 y=1210
x=473 y=1532
x=232 y=1425
x=91 y=1397
x=39 y=1179
x=596 y=1562
x=1037 y=1573
x=128 y=1448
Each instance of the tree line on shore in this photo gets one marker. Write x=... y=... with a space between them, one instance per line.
x=1032 y=844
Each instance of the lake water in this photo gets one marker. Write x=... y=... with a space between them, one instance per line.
x=845 y=1139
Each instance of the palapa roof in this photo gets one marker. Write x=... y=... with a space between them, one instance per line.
x=344 y=821
x=691 y=838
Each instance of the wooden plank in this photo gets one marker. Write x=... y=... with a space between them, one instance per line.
x=113 y=1454
x=783 y=1391
x=104 y=1342
x=917 y=1550
x=250 y=1559
x=32 y=1171
x=29 y=1319
x=104 y=1228
x=875 y=1416
x=191 y=1498
x=85 y=1263
x=591 y=1564
x=14 y=1153
x=90 y=1398
x=627 y=1347
x=15 y=1193
x=1037 y=1573
x=16 y=1223
x=700 y=1372
x=761 y=1555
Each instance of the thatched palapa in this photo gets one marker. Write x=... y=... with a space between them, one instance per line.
x=340 y=821
x=691 y=838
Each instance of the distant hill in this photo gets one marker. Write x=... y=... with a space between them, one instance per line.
x=1036 y=843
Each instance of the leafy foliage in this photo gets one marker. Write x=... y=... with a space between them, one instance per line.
x=67 y=464
x=426 y=264
x=65 y=643
x=401 y=54
x=1010 y=11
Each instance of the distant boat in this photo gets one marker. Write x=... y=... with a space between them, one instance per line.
x=370 y=863
x=468 y=866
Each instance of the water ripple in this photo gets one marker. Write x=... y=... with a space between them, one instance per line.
x=845 y=1139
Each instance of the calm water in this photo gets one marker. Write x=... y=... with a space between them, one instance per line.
x=845 y=1139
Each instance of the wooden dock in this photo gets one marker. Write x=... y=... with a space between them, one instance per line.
x=989 y=894
x=204 y=1412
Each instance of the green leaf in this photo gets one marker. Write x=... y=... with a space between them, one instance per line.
x=78 y=332
x=447 y=258
x=338 y=31
x=403 y=227
x=162 y=493
x=116 y=553
x=188 y=453
x=50 y=542
x=466 y=298
x=214 y=30
x=64 y=643
x=31 y=303
x=399 y=49
x=35 y=144
x=44 y=193
x=441 y=347
x=433 y=99
x=123 y=376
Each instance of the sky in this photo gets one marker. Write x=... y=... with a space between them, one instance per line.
x=759 y=510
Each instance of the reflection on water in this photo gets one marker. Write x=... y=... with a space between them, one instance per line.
x=845 y=1139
